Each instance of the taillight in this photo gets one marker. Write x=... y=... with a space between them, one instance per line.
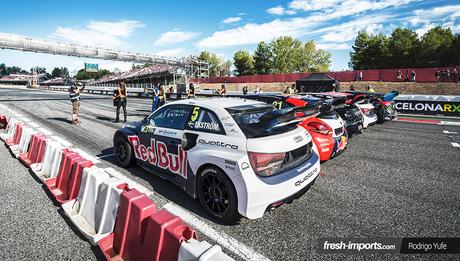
x=366 y=111
x=319 y=127
x=266 y=164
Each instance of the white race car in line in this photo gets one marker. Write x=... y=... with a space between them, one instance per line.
x=239 y=157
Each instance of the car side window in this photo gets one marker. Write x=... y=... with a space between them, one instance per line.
x=202 y=119
x=172 y=116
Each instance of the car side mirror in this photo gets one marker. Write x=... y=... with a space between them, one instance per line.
x=145 y=121
x=188 y=141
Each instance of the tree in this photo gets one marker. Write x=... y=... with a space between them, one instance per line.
x=312 y=59
x=84 y=75
x=291 y=55
x=403 y=48
x=369 y=51
x=244 y=63
x=38 y=70
x=435 y=47
x=286 y=52
x=226 y=68
x=62 y=72
x=2 y=68
x=215 y=63
x=263 y=62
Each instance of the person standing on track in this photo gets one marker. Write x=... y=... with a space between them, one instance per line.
x=161 y=96
x=191 y=91
x=156 y=92
x=120 y=101
x=74 y=95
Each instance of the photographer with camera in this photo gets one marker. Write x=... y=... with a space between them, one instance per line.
x=74 y=95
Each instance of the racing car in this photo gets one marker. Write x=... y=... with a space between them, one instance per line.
x=383 y=103
x=327 y=128
x=346 y=108
x=238 y=157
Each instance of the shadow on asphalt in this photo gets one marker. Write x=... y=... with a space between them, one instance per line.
x=166 y=189
x=60 y=119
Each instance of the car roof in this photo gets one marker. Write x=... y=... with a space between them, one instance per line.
x=219 y=102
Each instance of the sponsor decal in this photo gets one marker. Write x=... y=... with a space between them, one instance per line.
x=199 y=125
x=304 y=179
x=229 y=162
x=447 y=108
x=148 y=129
x=230 y=168
x=304 y=167
x=298 y=139
x=244 y=165
x=226 y=118
x=157 y=154
x=167 y=132
x=218 y=144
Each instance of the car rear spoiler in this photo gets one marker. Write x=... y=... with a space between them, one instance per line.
x=292 y=114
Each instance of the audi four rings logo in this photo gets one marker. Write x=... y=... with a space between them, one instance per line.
x=298 y=138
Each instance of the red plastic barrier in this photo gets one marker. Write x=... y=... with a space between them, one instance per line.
x=36 y=150
x=143 y=233
x=66 y=185
x=16 y=136
x=3 y=122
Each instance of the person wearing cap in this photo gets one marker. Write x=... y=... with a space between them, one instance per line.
x=74 y=95
x=223 y=90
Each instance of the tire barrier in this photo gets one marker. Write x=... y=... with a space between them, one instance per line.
x=144 y=233
x=195 y=250
x=110 y=210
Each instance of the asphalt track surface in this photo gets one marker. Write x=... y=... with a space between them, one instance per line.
x=394 y=180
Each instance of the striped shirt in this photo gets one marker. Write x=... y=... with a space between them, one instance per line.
x=74 y=96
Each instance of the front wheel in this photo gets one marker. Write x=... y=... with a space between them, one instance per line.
x=123 y=152
x=218 y=195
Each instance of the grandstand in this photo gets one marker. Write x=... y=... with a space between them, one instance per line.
x=22 y=79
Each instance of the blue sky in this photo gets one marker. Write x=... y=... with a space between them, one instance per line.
x=181 y=28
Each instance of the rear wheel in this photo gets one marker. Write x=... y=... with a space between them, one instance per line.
x=218 y=195
x=123 y=152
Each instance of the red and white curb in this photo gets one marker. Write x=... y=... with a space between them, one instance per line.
x=92 y=197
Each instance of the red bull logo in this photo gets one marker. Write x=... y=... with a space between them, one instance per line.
x=157 y=154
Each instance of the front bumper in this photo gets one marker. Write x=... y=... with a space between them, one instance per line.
x=257 y=194
x=367 y=121
x=340 y=143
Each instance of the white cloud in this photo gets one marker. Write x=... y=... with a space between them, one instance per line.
x=279 y=10
x=99 y=33
x=422 y=30
x=333 y=46
x=452 y=11
x=252 y=33
x=175 y=36
x=171 y=52
x=312 y=5
x=230 y=20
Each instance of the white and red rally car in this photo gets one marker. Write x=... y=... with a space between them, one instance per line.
x=237 y=156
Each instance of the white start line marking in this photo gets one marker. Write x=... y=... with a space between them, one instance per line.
x=455 y=144
x=449 y=132
x=452 y=123
x=221 y=238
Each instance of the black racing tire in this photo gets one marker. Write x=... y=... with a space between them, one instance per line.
x=380 y=115
x=217 y=195
x=124 y=152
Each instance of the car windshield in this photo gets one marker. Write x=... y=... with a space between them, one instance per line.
x=263 y=121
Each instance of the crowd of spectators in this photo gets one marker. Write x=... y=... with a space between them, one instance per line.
x=447 y=75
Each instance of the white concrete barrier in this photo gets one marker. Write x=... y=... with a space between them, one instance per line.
x=95 y=209
x=194 y=250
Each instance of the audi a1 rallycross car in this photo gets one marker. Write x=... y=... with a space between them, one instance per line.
x=383 y=103
x=326 y=127
x=236 y=156
x=345 y=108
